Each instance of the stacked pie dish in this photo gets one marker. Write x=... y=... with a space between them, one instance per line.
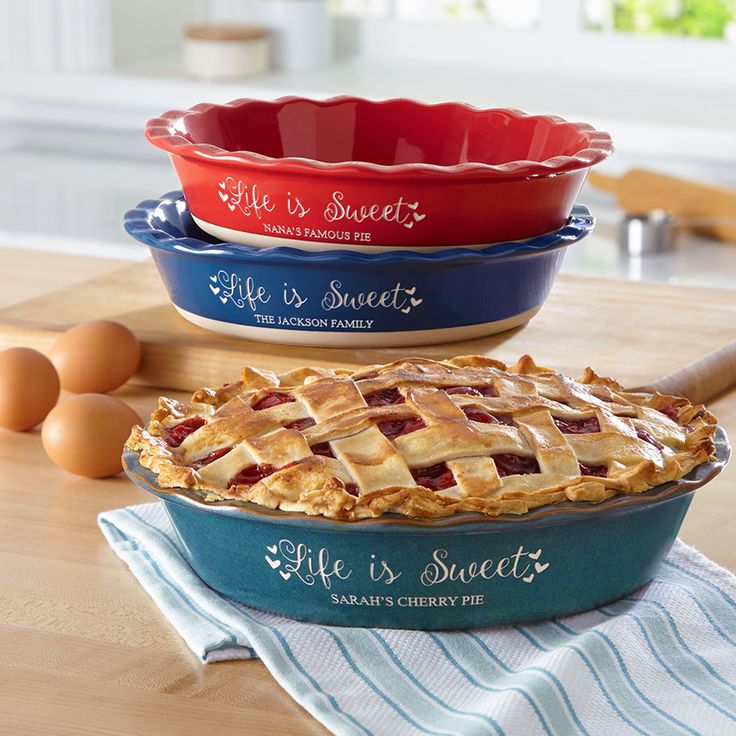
x=514 y=491
x=358 y=223
x=342 y=298
x=348 y=171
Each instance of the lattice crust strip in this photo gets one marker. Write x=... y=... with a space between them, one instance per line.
x=422 y=438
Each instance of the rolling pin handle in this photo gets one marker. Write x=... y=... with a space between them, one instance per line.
x=602 y=181
x=703 y=379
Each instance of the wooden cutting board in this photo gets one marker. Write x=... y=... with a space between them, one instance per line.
x=599 y=322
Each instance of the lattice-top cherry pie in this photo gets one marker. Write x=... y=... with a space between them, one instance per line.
x=422 y=438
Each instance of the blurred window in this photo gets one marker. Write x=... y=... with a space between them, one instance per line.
x=694 y=18
x=714 y=19
x=506 y=13
x=364 y=8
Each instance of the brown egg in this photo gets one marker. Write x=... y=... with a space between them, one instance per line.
x=85 y=434
x=95 y=357
x=29 y=388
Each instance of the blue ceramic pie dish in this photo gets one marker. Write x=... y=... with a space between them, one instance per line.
x=464 y=571
x=344 y=298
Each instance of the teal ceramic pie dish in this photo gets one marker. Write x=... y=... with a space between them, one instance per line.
x=459 y=572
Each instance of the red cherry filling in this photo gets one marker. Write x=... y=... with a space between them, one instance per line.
x=384 y=398
x=599 y=471
x=505 y=419
x=395 y=428
x=272 y=399
x=669 y=411
x=322 y=448
x=577 y=426
x=507 y=464
x=207 y=459
x=301 y=423
x=480 y=415
x=467 y=390
x=252 y=474
x=174 y=436
x=642 y=434
x=352 y=489
x=436 y=477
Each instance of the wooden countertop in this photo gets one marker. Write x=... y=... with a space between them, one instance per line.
x=83 y=650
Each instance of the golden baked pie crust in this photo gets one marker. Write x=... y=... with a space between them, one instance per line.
x=370 y=474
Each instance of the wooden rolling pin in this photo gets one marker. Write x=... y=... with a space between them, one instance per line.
x=703 y=379
x=705 y=208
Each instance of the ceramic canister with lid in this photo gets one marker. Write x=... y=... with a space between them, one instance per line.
x=223 y=51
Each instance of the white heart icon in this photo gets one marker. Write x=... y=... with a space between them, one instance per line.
x=223 y=197
x=223 y=299
x=231 y=207
x=411 y=291
x=406 y=310
x=528 y=578
x=213 y=279
x=413 y=206
x=214 y=289
x=539 y=567
x=408 y=225
x=535 y=555
x=221 y=185
x=416 y=302
x=284 y=575
x=273 y=564
x=272 y=549
x=418 y=218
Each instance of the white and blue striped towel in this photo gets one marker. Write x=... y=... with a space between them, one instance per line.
x=661 y=661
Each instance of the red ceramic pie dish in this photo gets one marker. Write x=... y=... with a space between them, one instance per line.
x=353 y=171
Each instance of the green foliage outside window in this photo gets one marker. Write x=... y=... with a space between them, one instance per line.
x=696 y=18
